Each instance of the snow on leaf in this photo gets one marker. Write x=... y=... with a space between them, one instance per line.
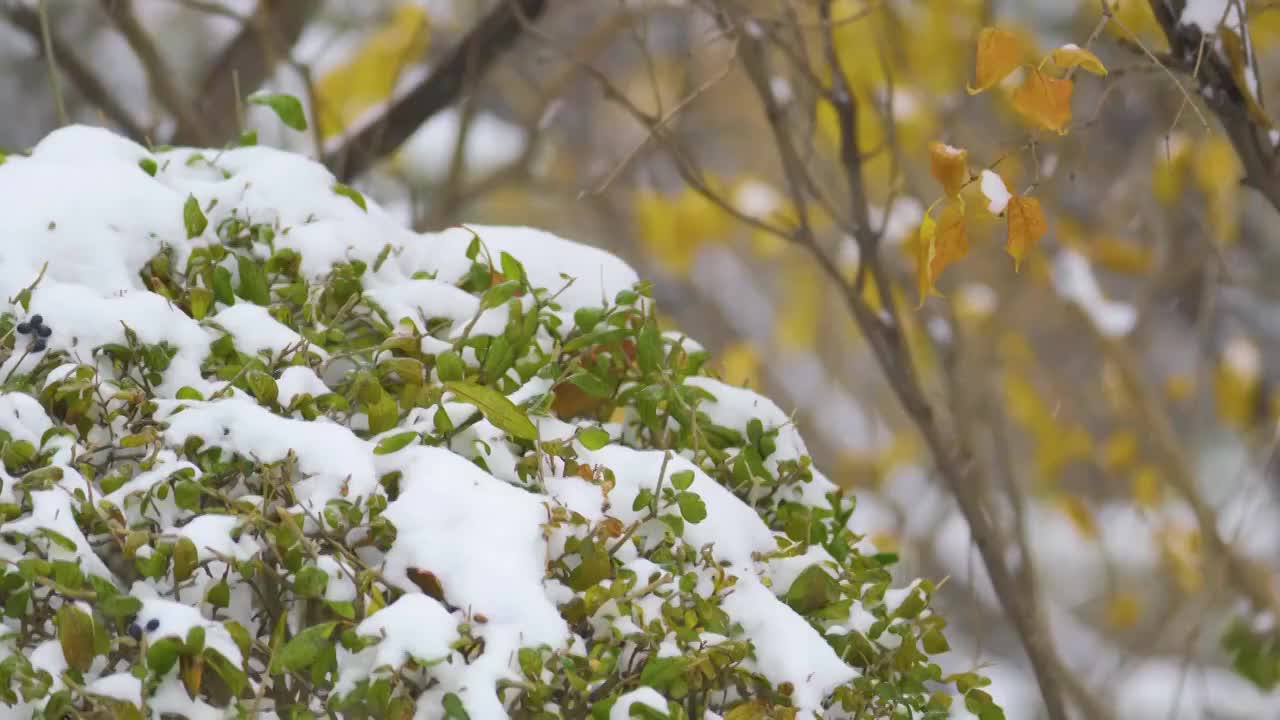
x=996 y=192
x=950 y=166
x=1073 y=56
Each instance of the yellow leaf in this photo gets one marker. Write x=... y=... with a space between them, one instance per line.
x=926 y=250
x=1000 y=52
x=370 y=75
x=1117 y=255
x=741 y=364
x=1026 y=226
x=1123 y=611
x=1238 y=59
x=1237 y=384
x=1074 y=56
x=1179 y=387
x=1078 y=513
x=1045 y=100
x=1146 y=488
x=950 y=166
x=1180 y=548
x=801 y=314
x=1120 y=450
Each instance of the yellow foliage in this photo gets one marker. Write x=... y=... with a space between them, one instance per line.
x=1123 y=611
x=999 y=52
x=1217 y=172
x=1026 y=226
x=1180 y=548
x=801 y=312
x=370 y=75
x=1237 y=384
x=1120 y=450
x=741 y=364
x=1078 y=513
x=674 y=227
x=1134 y=16
x=1057 y=442
x=1147 y=490
x=1179 y=387
x=1074 y=56
x=1045 y=101
x=939 y=244
x=1172 y=162
x=1119 y=255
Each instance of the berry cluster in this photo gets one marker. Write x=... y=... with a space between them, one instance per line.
x=135 y=630
x=38 y=331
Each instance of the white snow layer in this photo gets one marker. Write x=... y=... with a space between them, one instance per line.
x=90 y=217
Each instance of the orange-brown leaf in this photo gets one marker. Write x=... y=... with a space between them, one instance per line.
x=950 y=166
x=1045 y=100
x=1074 y=56
x=999 y=53
x=1026 y=226
x=941 y=242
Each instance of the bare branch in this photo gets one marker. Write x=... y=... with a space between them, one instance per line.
x=85 y=80
x=159 y=75
x=361 y=148
x=244 y=65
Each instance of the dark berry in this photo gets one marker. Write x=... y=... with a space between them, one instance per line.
x=44 y=331
x=24 y=328
x=135 y=631
x=38 y=346
x=37 y=320
x=152 y=624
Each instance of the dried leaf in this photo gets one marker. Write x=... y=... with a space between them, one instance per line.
x=941 y=243
x=1026 y=226
x=926 y=249
x=1000 y=52
x=950 y=166
x=1045 y=100
x=1074 y=56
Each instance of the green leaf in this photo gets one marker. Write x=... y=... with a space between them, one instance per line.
x=218 y=594
x=453 y=709
x=248 y=138
x=649 y=347
x=498 y=294
x=449 y=366
x=596 y=565
x=287 y=107
x=591 y=385
x=682 y=480
x=593 y=438
x=351 y=193
x=310 y=581
x=201 y=299
x=497 y=409
x=660 y=672
x=392 y=443
x=193 y=217
x=253 y=281
x=222 y=286
x=148 y=166
x=644 y=499
x=75 y=635
x=163 y=655
x=812 y=590
x=304 y=648
x=530 y=663
x=383 y=414
x=511 y=267
x=194 y=644
x=692 y=509
x=185 y=559
x=263 y=386
x=233 y=676
x=934 y=642
x=119 y=606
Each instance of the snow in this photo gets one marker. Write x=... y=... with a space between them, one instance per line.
x=1074 y=280
x=1206 y=15
x=491 y=144
x=993 y=187
x=645 y=696
x=413 y=627
x=94 y=218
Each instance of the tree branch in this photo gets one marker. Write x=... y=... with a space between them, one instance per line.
x=242 y=67
x=159 y=76
x=361 y=148
x=82 y=76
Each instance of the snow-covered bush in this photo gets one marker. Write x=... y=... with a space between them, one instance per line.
x=266 y=453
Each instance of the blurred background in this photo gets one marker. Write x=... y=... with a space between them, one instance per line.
x=1118 y=385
